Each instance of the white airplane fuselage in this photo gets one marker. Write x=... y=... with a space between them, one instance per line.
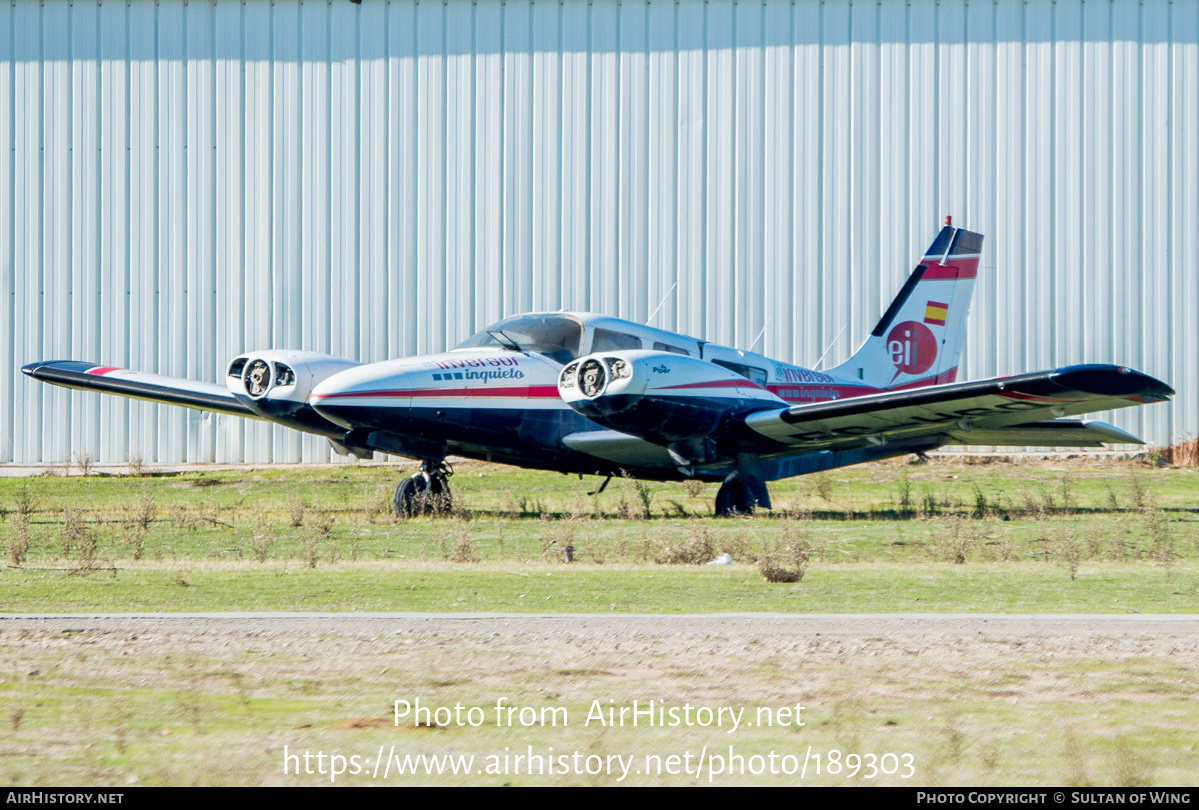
x=503 y=404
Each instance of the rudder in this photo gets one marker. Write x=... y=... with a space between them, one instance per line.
x=919 y=339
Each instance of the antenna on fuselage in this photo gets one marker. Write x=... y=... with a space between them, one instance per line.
x=660 y=303
x=759 y=337
x=830 y=348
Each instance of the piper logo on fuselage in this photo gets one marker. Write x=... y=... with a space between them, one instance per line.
x=662 y=369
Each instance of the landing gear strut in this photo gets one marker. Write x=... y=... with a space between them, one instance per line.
x=743 y=491
x=427 y=492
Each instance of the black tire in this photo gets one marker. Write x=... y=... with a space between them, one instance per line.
x=733 y=499
x=417 y=496
x=410 y=499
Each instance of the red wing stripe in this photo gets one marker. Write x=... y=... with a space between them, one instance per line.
x=102 y=370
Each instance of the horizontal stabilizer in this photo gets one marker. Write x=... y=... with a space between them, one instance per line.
x=203 y=396
x=960 y=410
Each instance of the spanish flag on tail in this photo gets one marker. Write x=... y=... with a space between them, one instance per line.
x=935 y=313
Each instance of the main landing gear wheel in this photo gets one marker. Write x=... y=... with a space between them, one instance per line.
x=426 y=493
x=735 y=498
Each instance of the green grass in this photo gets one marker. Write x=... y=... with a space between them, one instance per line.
x=1086 y=537
x=587 y=588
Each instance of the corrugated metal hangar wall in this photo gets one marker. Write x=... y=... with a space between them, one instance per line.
x=182 y=181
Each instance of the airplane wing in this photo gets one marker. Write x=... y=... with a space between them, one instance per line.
x=1017 y=410
x=203 y=396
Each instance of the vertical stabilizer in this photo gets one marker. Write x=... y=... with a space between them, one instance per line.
x=918 y=341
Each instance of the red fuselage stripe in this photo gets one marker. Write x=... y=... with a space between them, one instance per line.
x=514 y=391
x=713 y=384
x=102 y=370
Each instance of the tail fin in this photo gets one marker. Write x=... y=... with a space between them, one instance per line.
x=919 y=339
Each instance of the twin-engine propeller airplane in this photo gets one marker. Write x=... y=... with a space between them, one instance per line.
x=589 y=394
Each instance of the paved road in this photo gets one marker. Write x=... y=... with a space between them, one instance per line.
x=469 y=624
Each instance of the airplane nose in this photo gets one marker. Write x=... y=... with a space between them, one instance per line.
x=362 y=396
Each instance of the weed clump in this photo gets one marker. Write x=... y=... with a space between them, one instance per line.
x=262 y=546
x=295 y=512
x=145 y=511
x=464 y=549
x=904 y=499
x=18 y=541
x=697 y=549
x=789 y=560
x=824 y=486
x=1068 y=548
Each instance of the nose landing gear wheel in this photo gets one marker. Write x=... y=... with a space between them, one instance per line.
x=426 y=493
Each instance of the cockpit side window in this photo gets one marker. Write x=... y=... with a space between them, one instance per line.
x=609 y=340
x=556 y=336
x=752 y=373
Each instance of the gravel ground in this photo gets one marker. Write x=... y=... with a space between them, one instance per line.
x=973 y=699
x=981 y=636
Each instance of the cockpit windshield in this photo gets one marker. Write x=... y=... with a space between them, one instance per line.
x=558 y=336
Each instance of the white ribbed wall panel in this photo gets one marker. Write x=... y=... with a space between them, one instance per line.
x=181 y=182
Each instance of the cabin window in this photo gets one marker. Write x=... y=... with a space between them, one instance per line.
x=666 y=347
x=608 y=340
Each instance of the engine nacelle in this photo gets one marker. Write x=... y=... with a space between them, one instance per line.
x=277 y=384
x=663 y=397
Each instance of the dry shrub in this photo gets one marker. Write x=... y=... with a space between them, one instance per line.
x=694 y=487
x=137 y=465
x=295 y=512
x=376 y=503
x=958 y=540
x=788 y=561
x=623 y=511
x=1183 y=454
x=739 y=549
x=464 y=549
x=84 y=459
x=25 y=501
x=262 y=546
x=1137 y=493
x=697 y=549
x=18 y=540
x=1068 y=548
x=903 y=499
x=311 y=554
x=1158 y=528
x=644 y=494
x=145 y=511
x=138 y=542
x=561 y=536
x=73 y=530
x=824 y=486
